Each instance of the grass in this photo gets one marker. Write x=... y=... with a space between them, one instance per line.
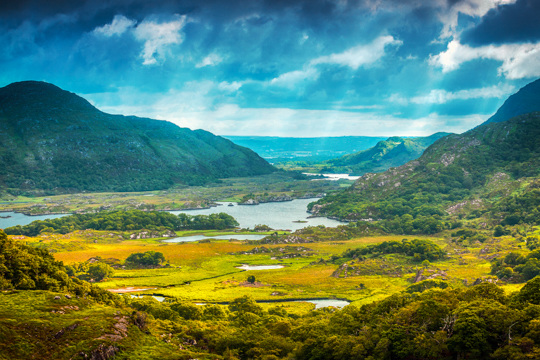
x=206 y=272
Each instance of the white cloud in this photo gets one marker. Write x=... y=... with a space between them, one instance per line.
x=443 y=96
x=360 y=55
x=230 y=87
x=518 y=60
x=210 y=60
x=193 y=107
x=292 y=77
x=157 y=37
x=118 y=26
x=474 y=8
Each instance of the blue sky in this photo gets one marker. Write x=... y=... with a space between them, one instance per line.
x=282 y=68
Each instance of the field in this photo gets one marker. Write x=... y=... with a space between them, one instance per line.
x=206 y=272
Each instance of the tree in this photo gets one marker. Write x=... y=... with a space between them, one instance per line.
x=251 y=279
x=99 y=271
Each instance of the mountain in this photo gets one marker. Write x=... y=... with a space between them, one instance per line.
x=482 y=170
x=526 y=100
x=56 y=141
x=392 y=152
x=282 y=149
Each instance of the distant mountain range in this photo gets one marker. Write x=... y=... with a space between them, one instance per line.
x=56 y=141
x=283 y=149
x=392 y=152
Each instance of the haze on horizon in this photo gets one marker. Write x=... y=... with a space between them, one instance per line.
x=299 y=68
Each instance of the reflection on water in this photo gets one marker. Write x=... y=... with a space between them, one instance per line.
x=277 y=215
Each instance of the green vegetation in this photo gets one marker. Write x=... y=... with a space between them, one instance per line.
x=419 y=249
x=476 y=171
x=126 y=221
x=152 y=258
x=93 y=151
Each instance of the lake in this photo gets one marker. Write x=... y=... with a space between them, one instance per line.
x=277 y=215
x=21 y=219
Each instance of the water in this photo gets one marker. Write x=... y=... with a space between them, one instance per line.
x=277 y=215
x=259 y=267
x=334 y=177
x=322 y=303
x=220 y=237
x=319 y=303
x=21 y=219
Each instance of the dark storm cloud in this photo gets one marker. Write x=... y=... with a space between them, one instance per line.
x=518 y=22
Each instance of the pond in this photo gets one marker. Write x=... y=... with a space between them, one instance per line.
x=21 y=219
x=278 y=215
x=259 y=267
x=220 y=237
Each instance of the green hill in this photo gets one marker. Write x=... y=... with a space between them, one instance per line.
x=392 y=152
x=56 y=141
x=526 y=100
x=478 y=170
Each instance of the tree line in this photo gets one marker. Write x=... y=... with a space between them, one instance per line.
x=120 y=220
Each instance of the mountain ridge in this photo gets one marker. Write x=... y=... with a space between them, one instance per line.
x=57 y=141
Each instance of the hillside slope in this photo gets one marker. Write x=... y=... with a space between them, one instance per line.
x=392 y=152
x=481 y=166
x=526 y=100
x=56 y=141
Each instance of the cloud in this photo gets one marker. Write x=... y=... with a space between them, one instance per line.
x=509 y=23
x=518 y=60
x=443 y=96
x=210 y=60
x=473 y=8
x=230 y=87
x=193 y=107
x=360 y=55
x=118 y=26
x=157 y=37
x=289 y=79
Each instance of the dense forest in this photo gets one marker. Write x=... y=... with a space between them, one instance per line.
x=126 y=221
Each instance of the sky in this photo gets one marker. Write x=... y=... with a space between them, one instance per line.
x=299 y=68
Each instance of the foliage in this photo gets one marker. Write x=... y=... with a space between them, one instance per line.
x=414 y=198
x=126 y=221
x=420 y=250
x=27 y=268
x=152 y=258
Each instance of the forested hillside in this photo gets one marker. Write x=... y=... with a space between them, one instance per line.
x=483 y=171
x=56 y=141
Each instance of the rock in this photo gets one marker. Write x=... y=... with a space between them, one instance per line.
x=68 y=296
x=104 y=352
x=57 y=298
